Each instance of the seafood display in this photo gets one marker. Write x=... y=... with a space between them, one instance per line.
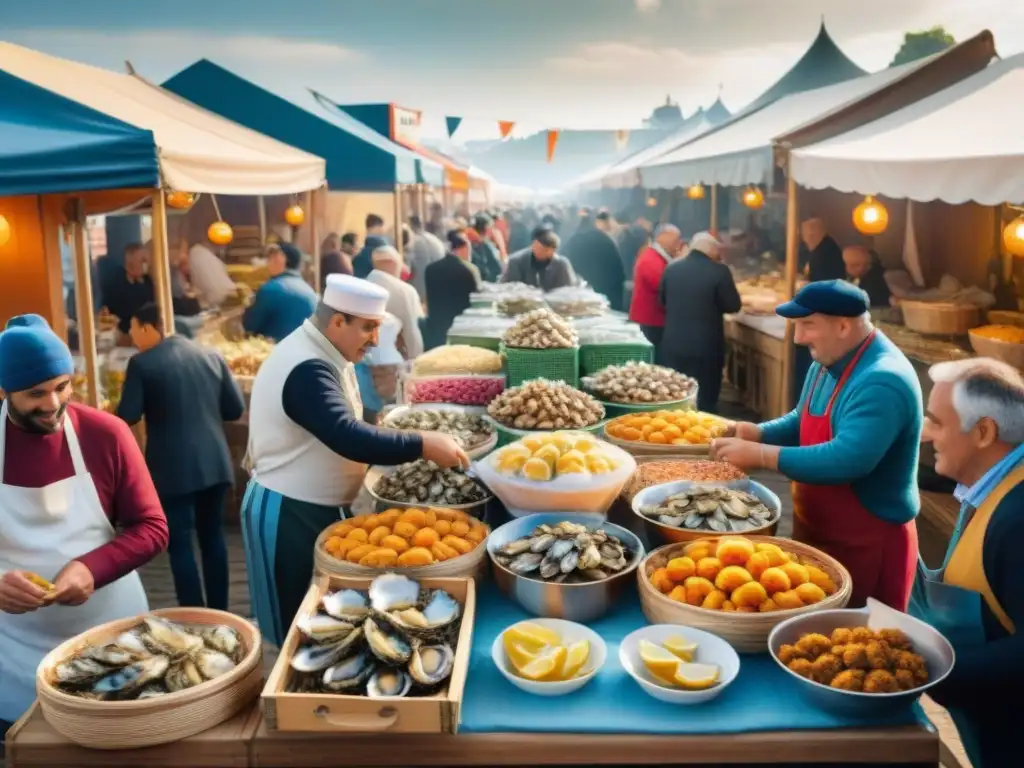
x=540 y=654
x=514 y=306
x=405 y=538
x=662 y=471
x=548 y=456
x=542 y=404
x=711 y=508
x=468 y=429
x=638 y=383
x=734 y=574
x=1009 y=334
x=671 y=664
x=576 y=302
x=858 y=659
x=155 y=658
x=245 y=356
x=457 y=358
x=676 y=427
x=565 y=553
x=395 y=639
x=423 y=482
x=541 y=329
x=619 y=334
x=455 y=390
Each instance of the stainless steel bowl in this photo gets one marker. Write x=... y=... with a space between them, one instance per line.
x=928 y=642
x=575 y=602
x=373 y=474
x=671 y=535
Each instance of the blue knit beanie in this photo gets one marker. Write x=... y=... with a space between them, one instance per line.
x=31 y=353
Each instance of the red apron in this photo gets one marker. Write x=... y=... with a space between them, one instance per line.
x=881 y=556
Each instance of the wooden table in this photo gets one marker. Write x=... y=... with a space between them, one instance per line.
x=32 y=742
x=909 y=746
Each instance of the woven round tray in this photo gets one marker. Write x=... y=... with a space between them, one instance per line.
x=160 y=720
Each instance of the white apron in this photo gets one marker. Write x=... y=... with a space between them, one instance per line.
x=41 y=530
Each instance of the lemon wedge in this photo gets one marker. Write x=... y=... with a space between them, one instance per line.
x=680 y=646
x=696 y=677
x=533 y=637
x=537 y=469
x=518 y=655
x=659 y=662
x=546 y=665
x=576 y=656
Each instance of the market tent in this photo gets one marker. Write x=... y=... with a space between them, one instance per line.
x=197 y=150
x=824 y=63
x=626 y=173
x=358 y=158
x=958 y=145
x=52 y=144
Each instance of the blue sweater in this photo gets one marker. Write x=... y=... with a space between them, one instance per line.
x=876 y=432
x=280 y=306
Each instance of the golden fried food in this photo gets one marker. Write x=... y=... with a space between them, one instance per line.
x=842 y=636
x=814 y=645
x=849 y=680
x=905 y=679
x=878 y=654
x=862 y=635
x=804 y=667
x=880 y=681
x=856 y=657
x=825 y=668
x=896 y=639
x=790 y=653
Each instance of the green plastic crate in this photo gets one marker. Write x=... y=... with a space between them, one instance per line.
x=486 y=342
x=596 y=357
x=522 y=365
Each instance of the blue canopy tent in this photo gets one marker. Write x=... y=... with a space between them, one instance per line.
x=358 y=158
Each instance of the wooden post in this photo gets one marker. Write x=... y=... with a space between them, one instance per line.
x=398 y=219
x=262 y=210
x=792 y=258
x=421 y=203
x=312 y=198
x=713 y=224
x=160 y=269
x=83 y=300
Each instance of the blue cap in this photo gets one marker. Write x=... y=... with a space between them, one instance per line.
x=31 y=353
x=836 y=298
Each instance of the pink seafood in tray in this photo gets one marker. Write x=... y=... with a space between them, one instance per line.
x=459 y=390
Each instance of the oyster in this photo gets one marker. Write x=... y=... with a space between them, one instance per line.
x=439 y=612
x=316 y=658
x=321 y=628
x=346 y=605
x=212 y=664
x=389 y=647
x=163 y=636
x=350 y=673
x=469 y=430
x=181 y=675
x=387 y=682
x=424 y=482
x=711 y=508
x=431 y=664
x=112 y=655
x=224 y=639
x=151 y=692
x=80 y=670
x=132 y=641
x=393 y=592
x=637 y=382
x=131 y=679
x=565 y=552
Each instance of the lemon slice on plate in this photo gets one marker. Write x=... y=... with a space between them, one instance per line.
x=575 y=658
x=546 y=666
x=533 y=637
x=518 y=655
x=696 y=677
x=659 y=662
x=680 y=646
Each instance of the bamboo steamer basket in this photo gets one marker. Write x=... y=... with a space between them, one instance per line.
x=1008 y=352
x=746 y=632
x=115 y=725
x=940 y=319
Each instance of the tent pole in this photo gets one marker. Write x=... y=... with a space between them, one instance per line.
x=792 y=257
x=261 y=205
x=421 y=203
x=312 y=198
x=398 y=220
x=83 y=300
x=161 y=268
x=714 y=210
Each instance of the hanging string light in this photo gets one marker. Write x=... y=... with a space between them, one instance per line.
x=294 y=215
x=220 y=232
x=870 y=217
x=753 y=198
x=180 y=201
x=652 y=201
x=1013 y=237
x=695 y=192
x=5 y=231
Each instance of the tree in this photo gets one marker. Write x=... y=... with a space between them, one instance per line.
x=917 y=45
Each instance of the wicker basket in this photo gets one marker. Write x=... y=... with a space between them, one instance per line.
x=1008 y=352
x=524 y=365
x=938 y=319
x=597 y=357
x=160 y=720
x=746 y=632
x=614 y=410
x=1006 y=317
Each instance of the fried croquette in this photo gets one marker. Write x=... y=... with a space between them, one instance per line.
x=849 y=680
x=879 y=654
x=856 y=657
x=896 y=639
x=905 y=679
x=826 y=667
x=880 y=681
x=913 y=663
x=790 y=653
x=804 y=667
x=842 y=636
x=814 y=644
x=862 y=635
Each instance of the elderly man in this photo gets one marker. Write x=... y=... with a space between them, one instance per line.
x=865 y=271
x=450 y=284
x=645 y=307
x=285 y=300
x=975 y=421
x=424 y=249
x=820 y=256
x=540 y=265
x=697 y=292
x=403 y=301
x=594 y=256
x=309 y=446
x=850 y=446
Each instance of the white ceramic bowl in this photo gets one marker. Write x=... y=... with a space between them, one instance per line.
x=711 y=649
x=570 y=632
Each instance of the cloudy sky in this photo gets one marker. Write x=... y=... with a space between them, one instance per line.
x=543 y=63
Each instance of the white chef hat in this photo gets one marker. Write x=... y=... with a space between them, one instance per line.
x=354 y=296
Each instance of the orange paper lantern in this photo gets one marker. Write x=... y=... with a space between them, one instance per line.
x=180 y=201
x=753 y=198
x=1013 y=237
x=5 y=231
x=220 y=233
x=870 y=217
x=295 y=215
x=652 y=201
x=696 y=192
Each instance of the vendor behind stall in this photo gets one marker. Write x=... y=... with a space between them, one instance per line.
x=449 y=282
x=540 y=265
x=864 y=270
x=975 y=422
x=285 y=300
x=70 y=475
x=128 y=287
x=850 y=446
x=309 y=447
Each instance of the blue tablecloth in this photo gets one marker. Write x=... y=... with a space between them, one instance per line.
x=762 y=698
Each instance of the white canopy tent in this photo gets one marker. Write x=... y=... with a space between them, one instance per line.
x=198 y=151
x=740 y=152
x=626 y=173
x=964 y=143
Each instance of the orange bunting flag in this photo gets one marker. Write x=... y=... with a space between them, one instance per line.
x=505 y=127
x=552 y=142
x=621 y=140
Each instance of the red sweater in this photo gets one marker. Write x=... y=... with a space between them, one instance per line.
x=645 y=308
x=122 y=481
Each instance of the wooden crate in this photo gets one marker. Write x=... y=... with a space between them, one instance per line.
x=338 y=713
